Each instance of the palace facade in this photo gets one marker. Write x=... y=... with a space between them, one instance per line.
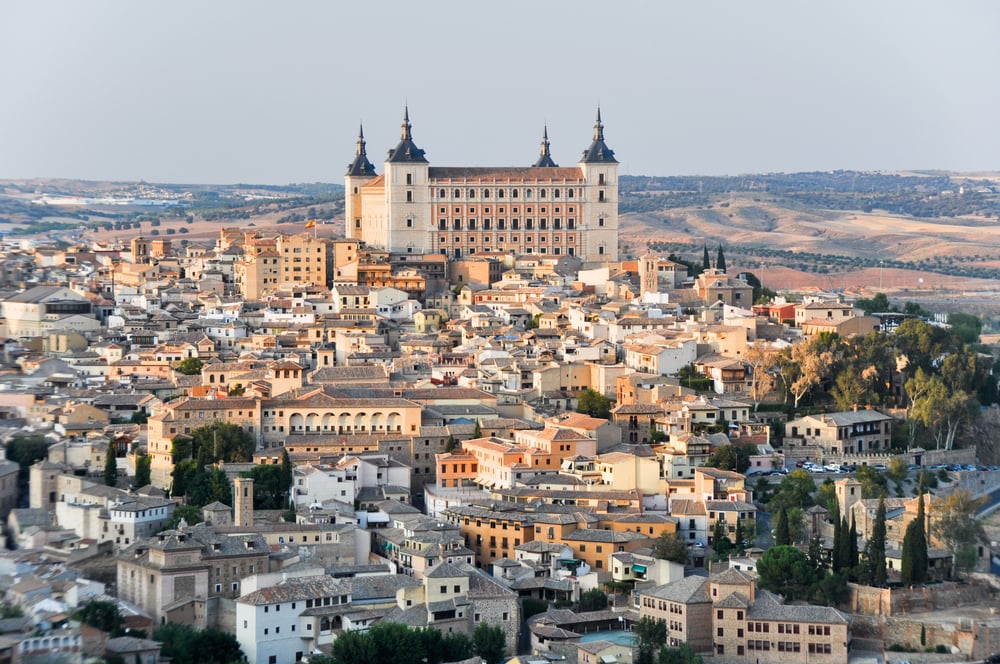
x=542 y=209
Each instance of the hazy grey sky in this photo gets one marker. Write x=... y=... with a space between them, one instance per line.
x=272 y=92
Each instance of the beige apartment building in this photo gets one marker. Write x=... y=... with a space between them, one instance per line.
x=728 y=616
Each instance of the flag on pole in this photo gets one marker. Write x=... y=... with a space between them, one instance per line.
x=311 y=223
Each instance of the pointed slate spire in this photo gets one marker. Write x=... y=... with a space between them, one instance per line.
x=599 y=151
x=545 y=158
x=360 y=166
x=406 y=124
x=407 y=150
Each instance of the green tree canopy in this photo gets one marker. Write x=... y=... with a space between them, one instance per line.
x=786 y=570
x=958 y=528
x=650 y=637
x=190 y=366
x=781 y=534
x=594 y=599
x=671 y=546
x=189 y=513
x=184 y=644
x=488 y=642
x=101 y=615
x=594 y=404
x=270 y=492
x=143 y=470
x=914 y=564
x=110 y=465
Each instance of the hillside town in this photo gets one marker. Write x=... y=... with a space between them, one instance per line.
x=484 y=422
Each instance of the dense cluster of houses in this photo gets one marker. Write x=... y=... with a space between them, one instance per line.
x=441 y=471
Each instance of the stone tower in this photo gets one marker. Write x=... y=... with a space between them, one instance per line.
x=243 y=501
x=359 y=173
x=848 y=491
x=600 y=223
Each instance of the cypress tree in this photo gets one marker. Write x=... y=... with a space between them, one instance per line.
x=781 y=535
x=835 y=560
x=720 y=261
x=740 y=536
x=816 y=557
x=705 y=262
x=875 y=551
x=914 y=565
x=852 y=545
x=845 y=546
x=110 y=465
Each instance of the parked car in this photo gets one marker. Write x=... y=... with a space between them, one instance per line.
x=879 y=466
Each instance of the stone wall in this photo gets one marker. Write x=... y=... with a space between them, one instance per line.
x=902 y=601
x=975 y=640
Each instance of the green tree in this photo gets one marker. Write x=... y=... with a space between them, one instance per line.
x=781 y=536
x=26 y=451
x=210 y=485
x=966 y=326
x=671 y=546
x=189 y=513
x=875 y=570
x=897 y=470
x=478 y=431
x=844 y=553
x=269 y=489
x=650 y=637
x=852 y=546
x=913 y=567
x=184 y=644
x=287 y=471
x=683 y=654
x=786 y=570
x=720 y=260
x=732 y=457
x=873 y=483
x=721 y=543
x=593 y=600
x=816 y=558
x=110 y=465
x=837 y=552
x=101 y=615
x=143 y=470
x=706 y=263
x=594 y=404
x=740 y=537
x=877 y=304
x=190 y=366
x=489 y=643
x=795 y=490
x=351 y=647
x=221 y=441
x=958 y=528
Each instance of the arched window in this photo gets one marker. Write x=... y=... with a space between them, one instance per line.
x=555 y=193
x=541 y=194
x=472 y=193
x=513 y=193
x=441 y=194
x=458 y=193
x=500 y=193
x=569 y=193
x=527 y=193
x=486 y=193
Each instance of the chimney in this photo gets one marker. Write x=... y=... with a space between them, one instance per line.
x=243 y=502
